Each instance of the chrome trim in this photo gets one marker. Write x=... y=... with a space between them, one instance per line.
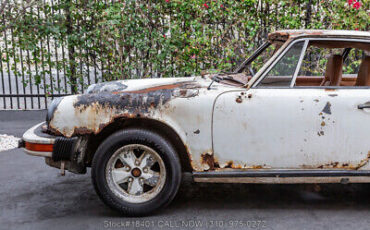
x=30 y=136
x=298 y=67
x=38 y=154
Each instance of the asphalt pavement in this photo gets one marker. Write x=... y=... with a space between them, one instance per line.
x=35 y=196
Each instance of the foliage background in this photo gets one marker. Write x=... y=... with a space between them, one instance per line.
x=108 y=40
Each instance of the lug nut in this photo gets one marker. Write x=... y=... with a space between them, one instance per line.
x=145 y=170
x=137 y=162
x=130 y=179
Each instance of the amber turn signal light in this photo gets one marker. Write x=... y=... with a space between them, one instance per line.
x=39 y=147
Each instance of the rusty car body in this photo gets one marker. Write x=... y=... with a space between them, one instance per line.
x=237 y=128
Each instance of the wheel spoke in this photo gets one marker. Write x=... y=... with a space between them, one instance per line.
x=128 y=158
x=135 y=187
x=146 y=160
x=120 y=175
x=151 y=178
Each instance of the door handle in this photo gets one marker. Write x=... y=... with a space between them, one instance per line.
x=364 y=106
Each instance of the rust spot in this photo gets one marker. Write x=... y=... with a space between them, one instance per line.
x=197 y=131
x=323 y=123
x=278 y=36
x=119 y=164
x=285 y=35
x=82 y=130
x=346 y=165
x=183 y=92
x=229 y=164
x=364 y=161
x=257 y=166
x=316 y=100
x=236 y=166
x=250 y=96
x=239 y=99
x=208 y=159
x=189 y=156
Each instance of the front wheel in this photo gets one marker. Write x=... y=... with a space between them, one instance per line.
x=136 y=171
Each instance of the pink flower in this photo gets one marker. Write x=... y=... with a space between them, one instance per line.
x=222 y=6
x=206 y=5
x=357 y=5
x=193 y=57
x=356 y=28
x=350 y=2
x=164 y=35
x=167 y=1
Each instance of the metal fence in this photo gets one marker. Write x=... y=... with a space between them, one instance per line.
x=30 y=82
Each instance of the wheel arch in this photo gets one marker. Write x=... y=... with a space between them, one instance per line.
x=144 y=123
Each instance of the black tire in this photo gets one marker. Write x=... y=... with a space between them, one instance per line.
x=143 y=137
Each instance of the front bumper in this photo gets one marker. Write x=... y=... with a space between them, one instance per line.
x=59 y=152
x=36 y=143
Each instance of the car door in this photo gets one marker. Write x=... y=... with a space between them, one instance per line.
x=277 y=126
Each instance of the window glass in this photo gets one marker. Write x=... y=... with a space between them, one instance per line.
x=315 y=60
x=331 y=63
x=352 y=63
x=281 y=74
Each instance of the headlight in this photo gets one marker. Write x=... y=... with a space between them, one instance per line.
x=52 y=107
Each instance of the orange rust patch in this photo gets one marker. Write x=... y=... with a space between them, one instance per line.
x=118 y=164
x=346 y=165
x=208 y=159
x=229 y=164
x=257 y=166
x=189 y=156
x=136 y=172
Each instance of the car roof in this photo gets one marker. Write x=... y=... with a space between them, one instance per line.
x=283 y=35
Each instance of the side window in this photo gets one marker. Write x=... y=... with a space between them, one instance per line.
x=352 y=63
x=333 y=64
x=282 y=73
x=315 y=61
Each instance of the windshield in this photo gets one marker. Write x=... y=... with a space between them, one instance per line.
x=244 y=72
x=254 y=63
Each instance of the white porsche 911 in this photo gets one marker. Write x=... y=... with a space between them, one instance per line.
x=302 y=117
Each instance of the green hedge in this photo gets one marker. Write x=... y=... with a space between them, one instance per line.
x=136 y=38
